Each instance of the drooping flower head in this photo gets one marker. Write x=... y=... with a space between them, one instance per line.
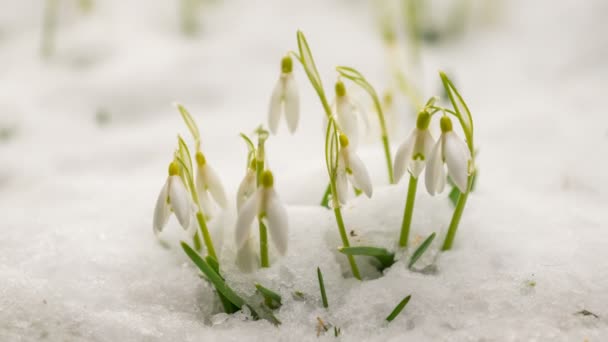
x=173 y=197
x=264 y=204
x=414 y=152
x=247 y=186
x=346 y=114
x=208 y=185
x=452 y=151
x=351 y=169
x=285 y=99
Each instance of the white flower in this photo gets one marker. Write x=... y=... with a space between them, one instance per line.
x=208 y=183
x=247 y=187
x=285 y=98
x=346 y=115
x=454 y=152
x=266 y=205
x=173 y=197
x=246 y=257
x=351 y=168
x=415 y=150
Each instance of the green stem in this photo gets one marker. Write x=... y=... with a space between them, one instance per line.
x=407 y=212
x=49 y=25
x=206 y=236
x=387 y=154
x=264 y=261
x=325 y=200
x=197 y=242
x=345 y=243
x=462 y=201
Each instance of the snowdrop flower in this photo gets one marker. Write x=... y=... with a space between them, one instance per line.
x=351 y=168
x=454 y=152
x=247 y=186
x=346 y=114
x=264 y=204
x=415 y=150
x=173 y=197
x=285 y=98
x=208 y=183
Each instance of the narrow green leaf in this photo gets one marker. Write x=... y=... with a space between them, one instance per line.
x=184 y=153
x=454 y=194
x=397 y=310
x=308 y=62
x=190 y=123
x=385 y=257
x=271 y=298
x=461 y=108
x=224 y=289
x=322 y=287
x=420 y=250
x=227 y=304
x=213 y=277
x=248 y=141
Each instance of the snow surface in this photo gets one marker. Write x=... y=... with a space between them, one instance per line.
x=79 y=262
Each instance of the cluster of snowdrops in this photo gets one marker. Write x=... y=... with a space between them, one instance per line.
x=192 y=184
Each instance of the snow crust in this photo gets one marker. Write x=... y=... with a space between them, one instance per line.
x=79 y=262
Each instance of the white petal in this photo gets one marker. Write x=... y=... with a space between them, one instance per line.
x=347 y=120
x=162 y=210
x=342 y=185
x=276 y=219
x=215 y=187
x=423 y=146
x=206 y=205
x=360 y=176
x=292 y=103
x=243 y=223
x=457 y=157
x=435 y=174
x=246 y=189
x=246 y=258
x=274 y=110
x=180 y=201
x=404 y=155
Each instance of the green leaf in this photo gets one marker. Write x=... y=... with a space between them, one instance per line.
x=271 y=298
x=184 y=153
x=385 y=257
x=322 y=287
x=461 y=108
x=454 y=195
x=397 y=310
x=308 y=62
x=190 y=123
x=213 y=276
x=227 y=304
x=224 y=289
x=420 y=250
x=248 y=141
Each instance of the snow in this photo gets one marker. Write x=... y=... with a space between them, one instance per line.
x=79 y=261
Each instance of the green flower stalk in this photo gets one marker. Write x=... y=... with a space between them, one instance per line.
x=356 y=77
x=331 y=140
x=456 y=154
x=412 y=156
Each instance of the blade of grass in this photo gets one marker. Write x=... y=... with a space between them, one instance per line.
x=213 y=276
x=271 y=298
x=420 y=250
x=227 y=304
x=385 y=257
x=397 y=310
x=322 y=287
